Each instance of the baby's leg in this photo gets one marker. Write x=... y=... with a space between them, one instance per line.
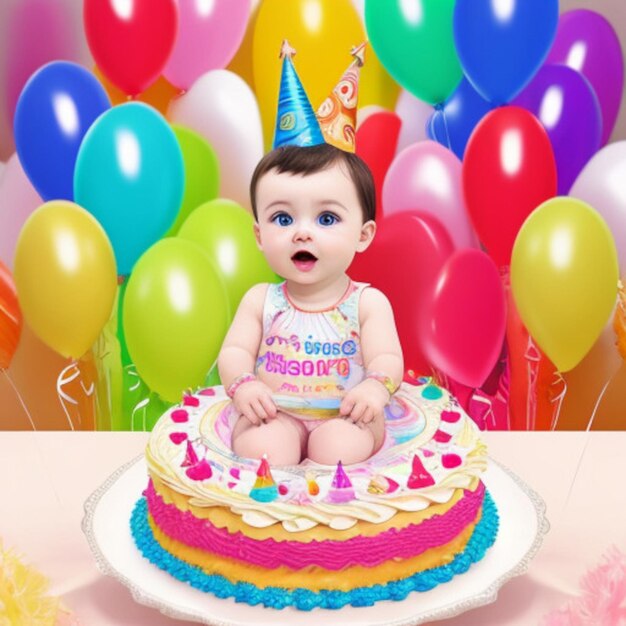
x=282 y=439
x=341 y=440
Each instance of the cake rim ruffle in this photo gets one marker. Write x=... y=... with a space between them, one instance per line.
x=483 y=537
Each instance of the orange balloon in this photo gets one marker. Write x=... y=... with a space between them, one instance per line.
x=584 y=386
x=34 y=373
x=10 y=317
x=158 y=95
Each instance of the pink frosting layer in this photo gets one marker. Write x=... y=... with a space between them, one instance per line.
x=332 y=555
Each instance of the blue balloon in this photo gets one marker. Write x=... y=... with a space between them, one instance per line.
x=502 y=43
x=130 y=176
x=55 y=110
x=453 y=123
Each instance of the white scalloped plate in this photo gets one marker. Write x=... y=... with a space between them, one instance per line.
x=523 y=525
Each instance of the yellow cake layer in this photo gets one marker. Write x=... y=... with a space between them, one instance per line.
x=313 y=577
x=222 y=517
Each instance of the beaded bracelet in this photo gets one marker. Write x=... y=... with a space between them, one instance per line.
x=240 y=380
x=385 y=380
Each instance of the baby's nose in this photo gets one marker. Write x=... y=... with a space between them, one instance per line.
x=302 y=233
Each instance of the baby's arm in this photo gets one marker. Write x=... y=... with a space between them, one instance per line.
x=382 y=354
x=239 y=353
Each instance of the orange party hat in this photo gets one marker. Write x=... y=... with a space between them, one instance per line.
x=337 y=114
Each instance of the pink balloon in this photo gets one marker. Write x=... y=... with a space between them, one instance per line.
x=33 y=33
x=427 y=177
x=464 y=318
x=209 y=34
x=414 y=114
x=18 y=199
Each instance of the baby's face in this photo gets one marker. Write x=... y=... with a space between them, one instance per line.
x=310 y=227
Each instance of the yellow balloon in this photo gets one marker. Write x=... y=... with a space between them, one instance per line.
x=65 y=276
x=321 y=31
x=564 y=275
x=376 y=86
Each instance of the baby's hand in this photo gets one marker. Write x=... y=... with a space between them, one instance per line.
x=365 y=402
x=254 y=401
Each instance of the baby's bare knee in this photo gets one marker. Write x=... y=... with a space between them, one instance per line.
x=340 y=440
x=274 y=439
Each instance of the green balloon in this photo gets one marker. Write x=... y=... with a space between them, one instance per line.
x=224 y=231
x=415 y=42
x=202 y=177
x=175 y=316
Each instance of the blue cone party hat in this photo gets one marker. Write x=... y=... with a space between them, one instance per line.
x=296 y=124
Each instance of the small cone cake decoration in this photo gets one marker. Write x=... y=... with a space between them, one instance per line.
x=419 y=477
x=264 y=489
x=191 y=458
x=296 y=124
x=337 y=114
x=341 y=489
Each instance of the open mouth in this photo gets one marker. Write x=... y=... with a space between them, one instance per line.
x=304 y=260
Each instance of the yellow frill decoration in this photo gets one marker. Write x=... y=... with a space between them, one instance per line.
x=23 y=595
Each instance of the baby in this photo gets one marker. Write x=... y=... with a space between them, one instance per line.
x=310 y=363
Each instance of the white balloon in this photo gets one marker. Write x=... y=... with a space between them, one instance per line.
x=222 y=108
x=18 y=199
x=414 y=114
x=602 y=184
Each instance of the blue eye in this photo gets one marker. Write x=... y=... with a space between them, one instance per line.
x=327 y=219
x=282 y=219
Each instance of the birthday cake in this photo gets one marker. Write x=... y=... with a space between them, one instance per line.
x=411 y=517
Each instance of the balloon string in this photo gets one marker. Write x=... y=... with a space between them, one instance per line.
x=442 y=110
x=533 y=356
x=62 y=380
x=19 y=397
x=558 y=399
x=142 y=404
x=587 y=434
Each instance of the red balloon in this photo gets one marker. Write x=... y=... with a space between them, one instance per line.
x=464 y=318
x=403 y=262
x=376 y=143
x=10 y=317
x=508 y=171
x=131 y=40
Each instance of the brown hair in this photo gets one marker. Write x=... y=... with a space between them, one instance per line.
x=309 y=160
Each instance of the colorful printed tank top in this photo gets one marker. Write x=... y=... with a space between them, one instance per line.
x=310 y=359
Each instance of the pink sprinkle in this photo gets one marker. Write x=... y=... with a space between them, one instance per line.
x=234 y=472
x=201 y=471
x=191 y=401
x=283 y=489
x=178 y=438
x=427 y=453
x=450 y=416
x=209 y=391
x=179 y=416
x=441 y=437
x=231 y=485
x=450 y=461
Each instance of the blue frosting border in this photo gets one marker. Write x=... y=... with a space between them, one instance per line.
x=482 y=538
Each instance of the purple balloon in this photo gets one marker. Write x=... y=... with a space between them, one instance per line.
x=565 y=103
x=586 y=42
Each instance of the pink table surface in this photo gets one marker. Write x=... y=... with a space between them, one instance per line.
x=45 y=478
